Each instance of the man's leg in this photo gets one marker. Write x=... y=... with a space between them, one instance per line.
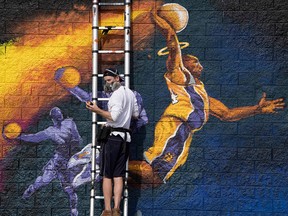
x=118 y=189
x=107 y=191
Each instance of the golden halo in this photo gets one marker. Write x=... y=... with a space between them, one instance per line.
x=163 y=51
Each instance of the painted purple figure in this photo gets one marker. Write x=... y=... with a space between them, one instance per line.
x=65 y=135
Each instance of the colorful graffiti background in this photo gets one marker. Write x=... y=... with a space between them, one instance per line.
x=232 y=168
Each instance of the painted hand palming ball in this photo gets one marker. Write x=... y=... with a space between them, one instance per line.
x=12 y=130
x=68 y=76
x=175 y=14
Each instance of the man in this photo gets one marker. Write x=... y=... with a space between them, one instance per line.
x=65 y=135
x=188 y=112
x=122 y=106
x=83 y=158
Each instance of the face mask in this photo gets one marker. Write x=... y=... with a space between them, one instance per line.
x=111 y=87
x=107 y=87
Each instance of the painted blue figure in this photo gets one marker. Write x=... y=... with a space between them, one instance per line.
x=65 y=135
x=83 y=157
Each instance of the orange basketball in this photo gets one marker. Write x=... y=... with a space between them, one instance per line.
x=69 y=76
x=175 y=14
x=12 y=130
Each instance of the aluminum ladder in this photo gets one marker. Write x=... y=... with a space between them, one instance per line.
x=96 y=51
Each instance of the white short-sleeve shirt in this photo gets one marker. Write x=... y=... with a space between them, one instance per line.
x=122 y=105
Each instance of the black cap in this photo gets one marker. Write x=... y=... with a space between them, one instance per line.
x=112 y=72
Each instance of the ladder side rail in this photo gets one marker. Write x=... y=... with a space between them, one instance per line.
x=95 y=75
x=95 y=23
x=127 y=65
x=127 y=45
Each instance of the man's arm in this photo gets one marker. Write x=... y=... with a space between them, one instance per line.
x=219 y=110
x=94 y=108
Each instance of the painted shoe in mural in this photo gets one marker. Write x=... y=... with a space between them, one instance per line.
x=82 y=157
x=28 y=192
x=142 y=175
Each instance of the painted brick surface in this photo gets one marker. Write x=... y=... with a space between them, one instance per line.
x=233 y=168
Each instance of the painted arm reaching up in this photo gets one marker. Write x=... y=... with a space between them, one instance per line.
x=177 y=72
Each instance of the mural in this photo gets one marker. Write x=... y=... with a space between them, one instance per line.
x=65 y=135
x=190 y=105
x=183 y=164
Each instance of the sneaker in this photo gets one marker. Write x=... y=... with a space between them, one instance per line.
x=116 y=212
x=82 y=157
x=106 y=213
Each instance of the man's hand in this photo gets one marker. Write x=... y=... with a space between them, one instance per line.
x=92 y=107
x=270 y=106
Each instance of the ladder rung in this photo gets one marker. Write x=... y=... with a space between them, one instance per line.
x=97 y=147
x=95 y=171
x=111 y=28
x=97 y=75
x=102 y=197
x=110 y=51
x=102 y=99
x=111 y=3
x=101 y=75
x=101 y=123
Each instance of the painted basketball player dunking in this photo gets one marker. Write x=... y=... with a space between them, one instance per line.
x=187 y=113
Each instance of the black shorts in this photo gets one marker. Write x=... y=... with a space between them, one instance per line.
x=114 y=155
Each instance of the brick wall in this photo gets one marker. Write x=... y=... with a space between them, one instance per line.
x=233 y=168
